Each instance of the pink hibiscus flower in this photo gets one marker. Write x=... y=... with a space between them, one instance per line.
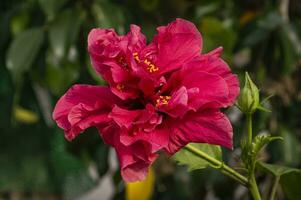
x=161 y=96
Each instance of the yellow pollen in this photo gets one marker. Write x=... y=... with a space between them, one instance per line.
x=162 y=100
x=120 y=86
x=151 y=68
x=136 y=57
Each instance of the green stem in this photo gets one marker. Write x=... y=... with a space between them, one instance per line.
x=225 y=169
x=252 y=181
x=254 y=188
x=274 y=188
x=249 y=128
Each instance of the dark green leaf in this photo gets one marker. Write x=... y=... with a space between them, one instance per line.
x=51 y=7
x=276 y=170
x=63 y=31
x=185 y=157
x=260 y=141
x=290 y=184
x=290 y=178
x=101 y=159
x=291 y=153
x=23 y=51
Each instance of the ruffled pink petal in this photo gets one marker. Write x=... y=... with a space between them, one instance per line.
x=112 y=57
x=83 y=106
x=157 y=138
x=177 y=106
x=102 y=46
x=177 y=43
x=123 y=117
x=213 y=64
x=207 y=126
x=135 y=167
x=204 y=90
x=134 y=159
x=140 y=125
x=134 y=41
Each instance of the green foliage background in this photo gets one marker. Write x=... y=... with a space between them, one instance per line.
x=43 y=52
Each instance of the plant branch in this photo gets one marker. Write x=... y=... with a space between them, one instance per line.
x=225 y=169
x=274 y=188
x=249 y=128
x=253 y=187
x=251 y=178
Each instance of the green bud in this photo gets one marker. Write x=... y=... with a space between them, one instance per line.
x=248 y=100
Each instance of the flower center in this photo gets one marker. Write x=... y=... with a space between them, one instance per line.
x=121 y=60
x=151 y=67
x=162 y=100
x=120 y=86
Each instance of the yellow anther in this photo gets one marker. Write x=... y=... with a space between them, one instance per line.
x=151 y=68
x=136 y=57
x=147 y=62
x=162 y=100
x=120 y=86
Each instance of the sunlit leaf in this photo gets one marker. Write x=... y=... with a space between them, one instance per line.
x=193 y=162
x=18 y=23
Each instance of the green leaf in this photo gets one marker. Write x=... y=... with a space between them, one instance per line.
x=63 y=31
x=291 y=153
x=261 y=140
x=290 y=178
x=19 y=22
x=59 y=78
x=250 y=153
x=108 y=15
x=69 y=171
x=23 y=51
x=216 y=32
x=185 y=157
x=290 y=184
x=264 y=27
x=51 y=7
x=276 y=170
x=101 y=159
x=289 y=50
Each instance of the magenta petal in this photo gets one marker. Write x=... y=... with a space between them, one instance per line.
x=210 y=126
x=157 y=139
x=178 y=42
x=83 y=106
x=134 y=159
x=178 y=104
x=204 y=90
x=134 y=40
x=124 y=117
x=213 y=64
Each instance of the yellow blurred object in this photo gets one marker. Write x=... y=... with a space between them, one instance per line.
x=247 y=17
x=141 y=190
x=25 y=116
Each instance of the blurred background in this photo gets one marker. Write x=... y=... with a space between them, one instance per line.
x=43 y=51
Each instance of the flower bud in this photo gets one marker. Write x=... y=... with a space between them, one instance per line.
x=248 y=100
